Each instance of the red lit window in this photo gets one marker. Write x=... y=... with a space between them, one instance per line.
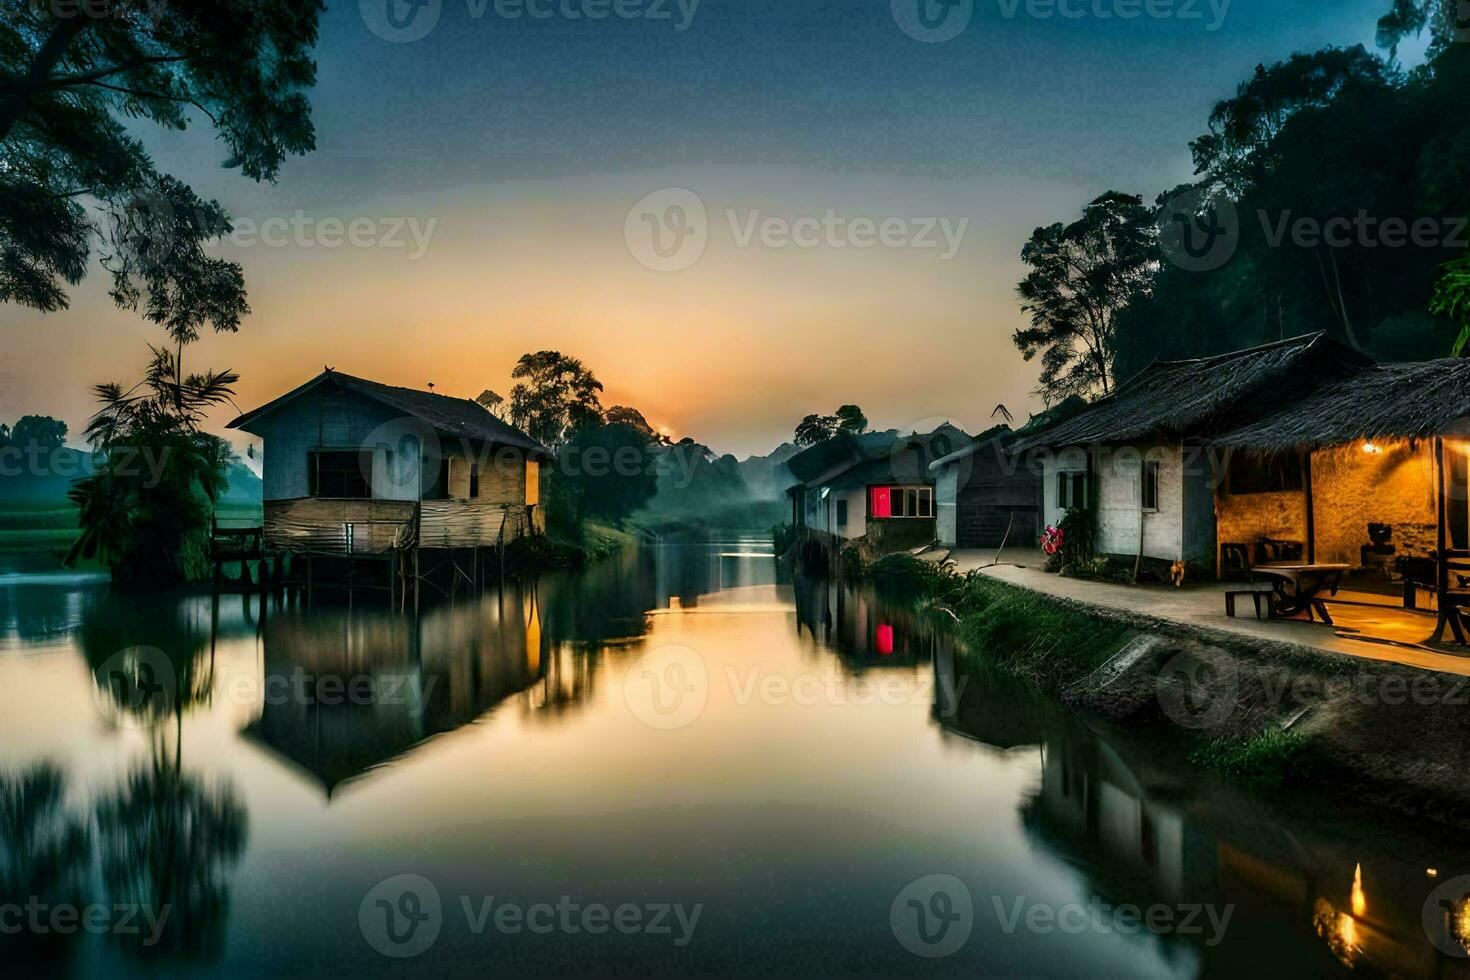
x=885 y=639
x=901 y=502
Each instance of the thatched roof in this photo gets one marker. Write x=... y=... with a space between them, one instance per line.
x=1386 y=401
x=850 y=460
x=1195 y=397
x=452 y=417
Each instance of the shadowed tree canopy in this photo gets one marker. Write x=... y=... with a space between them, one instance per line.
x=1239 y=147
x=624 y=415
x=1081 y=275
x=41 y=431
x=71 y=74
x=555 y=395
x=494 y=403
x=819 y=428
x=1444 y=19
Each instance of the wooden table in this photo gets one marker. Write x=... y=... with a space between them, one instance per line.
x=1298 y=588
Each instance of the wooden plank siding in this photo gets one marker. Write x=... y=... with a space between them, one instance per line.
x=376 y=526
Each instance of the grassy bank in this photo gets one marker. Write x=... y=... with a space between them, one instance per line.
x=1257 y=713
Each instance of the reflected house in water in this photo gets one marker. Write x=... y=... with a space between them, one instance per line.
x=858 y=626
x=415 y=677
x=1146 y=835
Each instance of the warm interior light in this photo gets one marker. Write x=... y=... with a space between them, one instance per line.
x=1432 y=872
x=1372 y=448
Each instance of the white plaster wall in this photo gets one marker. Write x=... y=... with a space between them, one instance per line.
x=857 y=512
x=1069 y=460
x=1120 y=515
x=946 y=505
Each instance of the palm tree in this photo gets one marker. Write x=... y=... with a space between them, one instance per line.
x=147 y=509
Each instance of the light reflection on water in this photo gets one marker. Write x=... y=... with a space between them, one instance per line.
x=837 y=757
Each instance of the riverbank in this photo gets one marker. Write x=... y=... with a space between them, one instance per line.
x=1261 y=711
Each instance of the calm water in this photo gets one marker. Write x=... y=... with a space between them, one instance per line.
x=668 y=763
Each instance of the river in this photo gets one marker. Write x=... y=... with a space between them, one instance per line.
x=670 y=762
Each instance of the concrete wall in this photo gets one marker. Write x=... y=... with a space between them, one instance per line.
x=1124 y=528
x=1179 y=529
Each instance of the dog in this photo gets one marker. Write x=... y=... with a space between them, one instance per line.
x=1176 y=573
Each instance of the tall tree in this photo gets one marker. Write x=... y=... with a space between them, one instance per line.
x=72 y=75
x=555 y=396
x=1081 y=275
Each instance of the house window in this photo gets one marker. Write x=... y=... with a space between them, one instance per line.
x=901 y=502
x=1251 y=473
x=435 y=487
x=1150 y=485
x=842 y=512
x=474 y=480
x=1071 y=490
x=339 y=474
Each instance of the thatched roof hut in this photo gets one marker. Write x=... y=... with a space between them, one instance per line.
x=1386 y=401
x=1197 y=397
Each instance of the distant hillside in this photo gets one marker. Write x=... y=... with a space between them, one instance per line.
x=766 y=476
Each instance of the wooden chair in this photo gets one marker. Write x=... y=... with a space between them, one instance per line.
x=1454 y=595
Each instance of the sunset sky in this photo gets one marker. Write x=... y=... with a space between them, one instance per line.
x=515 y=149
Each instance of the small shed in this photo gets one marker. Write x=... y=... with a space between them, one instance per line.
x=986 y=496
x=352 y=466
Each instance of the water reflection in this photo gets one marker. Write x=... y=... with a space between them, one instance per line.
x=814 y=811
x=1146 y=829
x=345 y=691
